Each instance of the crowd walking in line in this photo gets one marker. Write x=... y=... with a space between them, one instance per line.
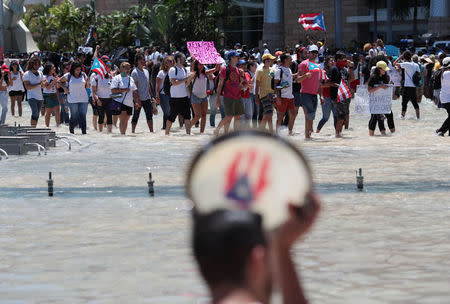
x=248 y=88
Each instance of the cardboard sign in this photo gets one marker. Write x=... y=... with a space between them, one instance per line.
x=379 y=102
x=204 y=51
x=250 y=170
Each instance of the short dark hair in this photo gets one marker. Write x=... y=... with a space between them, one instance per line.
x=177 y=56
x=284 y=56
x=76 y=64
x=223 y=241
x=407 y=55
x=138 y=56
x=339 y=55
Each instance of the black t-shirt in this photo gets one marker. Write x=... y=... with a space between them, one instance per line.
x=375 y=80
x=296 y=87
x=334 y=76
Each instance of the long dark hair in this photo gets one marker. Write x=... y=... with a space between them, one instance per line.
x=203 y=71
x=14 y=64
x=76 y=64
x=47 y=68
x=32 y=61
x=376 y=76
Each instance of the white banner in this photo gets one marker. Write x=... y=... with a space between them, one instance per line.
x=379 y=102
x=362 y=100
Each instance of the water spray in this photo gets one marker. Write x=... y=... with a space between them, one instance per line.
x=359 y=180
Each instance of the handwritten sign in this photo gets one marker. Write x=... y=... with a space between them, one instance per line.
x=362 y=100
x=378 y=102
x=204 y=51
x=381 y=101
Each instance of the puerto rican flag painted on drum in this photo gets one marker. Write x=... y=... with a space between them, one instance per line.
x=314 y=22
x=343 y=92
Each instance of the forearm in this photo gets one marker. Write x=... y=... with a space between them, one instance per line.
x=289 y=282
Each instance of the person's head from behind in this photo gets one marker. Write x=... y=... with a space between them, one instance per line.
x=415 y=58
x=231 y=251
x=407 y=55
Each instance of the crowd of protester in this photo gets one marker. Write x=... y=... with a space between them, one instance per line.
x=248 y=88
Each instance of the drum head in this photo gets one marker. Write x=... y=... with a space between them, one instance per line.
x=251 y=170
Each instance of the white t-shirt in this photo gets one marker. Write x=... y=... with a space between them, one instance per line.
x=178 y=91
x=52 y=89
x=77 y=88
x=199 y=87
x=103 y=85
x=285 y=78
x=445 y=89
x=17 y=83
x=35 y=93
x=122 y=83
x=410 y=68
x=161 y=75
x=154 y=56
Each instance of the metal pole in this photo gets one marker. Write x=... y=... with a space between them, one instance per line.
x=389 y=22
x=338 y=23
x=2 y=28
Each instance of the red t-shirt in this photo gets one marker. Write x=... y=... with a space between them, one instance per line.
x=231 y=86
x=309 y=85
x=326 y=92
x=246 y=93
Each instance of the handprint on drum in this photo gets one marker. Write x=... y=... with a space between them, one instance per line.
x=246 y=177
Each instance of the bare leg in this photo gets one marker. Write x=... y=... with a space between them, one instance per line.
x=133 y=127
x=124 y=117
x=13 y=104
x=94 y=121
x=168 y=126
x=280 y=116
x=55 y=110
x=197 y=113
x=292 y=115
x=48 y=112
x=19 y=104
x=115 y=119
x=237 y=120
x=187 y=125
x=150 y=125
x=204 y=108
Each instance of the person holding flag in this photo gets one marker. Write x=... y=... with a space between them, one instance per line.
x=310 y=75
x=101 y=91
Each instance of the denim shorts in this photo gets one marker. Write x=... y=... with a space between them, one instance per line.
x=197 y=100
x=35 y=106
x=309 y=103
x=297 y=99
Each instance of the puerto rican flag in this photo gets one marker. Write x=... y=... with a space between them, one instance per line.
x=343 y=92
x=323 y=75
x=316 y=68
x=314 y=22
x=99 y=67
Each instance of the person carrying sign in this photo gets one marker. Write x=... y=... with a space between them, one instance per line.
x=378 y=81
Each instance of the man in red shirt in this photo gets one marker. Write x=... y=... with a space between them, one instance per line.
x=309 y=76
x=230 y=84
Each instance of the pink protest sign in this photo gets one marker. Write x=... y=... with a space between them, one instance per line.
x=204 y=52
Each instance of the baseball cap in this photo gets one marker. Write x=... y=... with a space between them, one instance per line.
x=446 y=62
x=278 y=53
x=240 y=62
x=313 y=48
x=5 y=68
x=382 y=65
x=268 y=56
x=233 y=54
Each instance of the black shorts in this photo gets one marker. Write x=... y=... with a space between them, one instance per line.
x=94 y=107
x=180 y=106
x=124 y=108
x=16 y=93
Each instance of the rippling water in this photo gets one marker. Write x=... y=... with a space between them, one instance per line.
x=103 y=239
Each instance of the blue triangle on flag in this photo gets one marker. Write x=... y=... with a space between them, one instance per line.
x=241 y=191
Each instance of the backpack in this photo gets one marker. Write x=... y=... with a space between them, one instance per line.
x=167 y=84
x=417 y=79
x=227 y=77
x=436 y=79
x=272 y=81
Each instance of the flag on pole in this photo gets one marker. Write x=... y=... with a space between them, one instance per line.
x=99 y=67
x=314 y=22
x=343 y=92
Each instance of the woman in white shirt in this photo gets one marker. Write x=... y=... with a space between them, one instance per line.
x=49 y=92
x=77 y=96
x=161 y=98
x=33 y=80
x=16 y=88
x=125 y=90
x=445 y=96
x=199 y=97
